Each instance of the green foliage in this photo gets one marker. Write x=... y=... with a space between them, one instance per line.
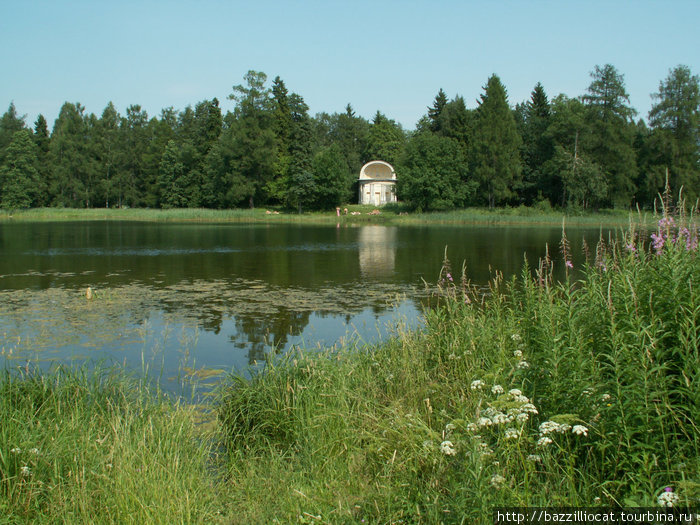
x=612 y=132
x=261 y=151
x=495 y=149
x=385 y=141
x=537 y=148
x=253 y=143
x=675 y=121
x=330 y=177
x=19 y=176
x=434 y=173
x=435 y=111
x=10 y=123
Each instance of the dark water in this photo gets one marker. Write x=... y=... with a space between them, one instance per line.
x=197 y=298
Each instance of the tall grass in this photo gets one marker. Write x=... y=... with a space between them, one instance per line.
x=98 y=447
x=579 y=393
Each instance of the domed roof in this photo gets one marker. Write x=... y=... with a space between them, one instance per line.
x=377 y=170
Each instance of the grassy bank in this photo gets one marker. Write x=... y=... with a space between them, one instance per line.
x=538 y=393
x=362 y=214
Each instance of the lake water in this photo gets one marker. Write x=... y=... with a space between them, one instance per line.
x=196 y=299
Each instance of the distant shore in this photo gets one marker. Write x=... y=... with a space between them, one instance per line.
x=355 y=214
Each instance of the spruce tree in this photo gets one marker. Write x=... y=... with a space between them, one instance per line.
x=496 y=145
x=10 y=122
x=435 y=111
x=537 y=148
x=42 y=141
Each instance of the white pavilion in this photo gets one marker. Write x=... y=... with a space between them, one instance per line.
x=377 y=183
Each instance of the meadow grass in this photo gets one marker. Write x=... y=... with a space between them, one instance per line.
x=79 y=446
x=584 y=392
x=389 y=214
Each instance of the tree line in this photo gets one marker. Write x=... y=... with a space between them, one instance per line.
x=584 y=152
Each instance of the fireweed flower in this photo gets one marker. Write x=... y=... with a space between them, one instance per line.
x=569 y=264
x=657 y=242
x=447 y=448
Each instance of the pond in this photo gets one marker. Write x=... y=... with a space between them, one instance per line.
x=194 y=299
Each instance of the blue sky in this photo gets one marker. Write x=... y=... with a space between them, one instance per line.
x=391 y=56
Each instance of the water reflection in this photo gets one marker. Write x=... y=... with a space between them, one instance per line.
x=238 y=291
x=377 y=247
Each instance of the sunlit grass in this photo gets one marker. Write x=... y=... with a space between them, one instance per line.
x=99 y=447
x=389 y=214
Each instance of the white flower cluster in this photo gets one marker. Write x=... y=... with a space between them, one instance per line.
x=26 y=471
x=580 y=430
x=497 y=480
x=516 y=337
x=544 y=441
x=668 y=498
x=497 y=389
x=477 y=384
x=549 y=427
x=512 y=433
x=447 y=448
x=523 y=365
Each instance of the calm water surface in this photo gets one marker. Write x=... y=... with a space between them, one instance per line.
x=199 y=298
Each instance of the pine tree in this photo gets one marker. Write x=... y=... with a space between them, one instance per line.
x=496 y=145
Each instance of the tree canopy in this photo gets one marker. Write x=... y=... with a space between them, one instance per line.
x=584 y=151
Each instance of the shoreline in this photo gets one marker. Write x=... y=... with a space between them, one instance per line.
x=521 y=216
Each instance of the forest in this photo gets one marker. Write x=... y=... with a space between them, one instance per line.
x=588 y=152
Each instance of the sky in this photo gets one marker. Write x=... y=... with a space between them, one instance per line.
x=391 y=56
